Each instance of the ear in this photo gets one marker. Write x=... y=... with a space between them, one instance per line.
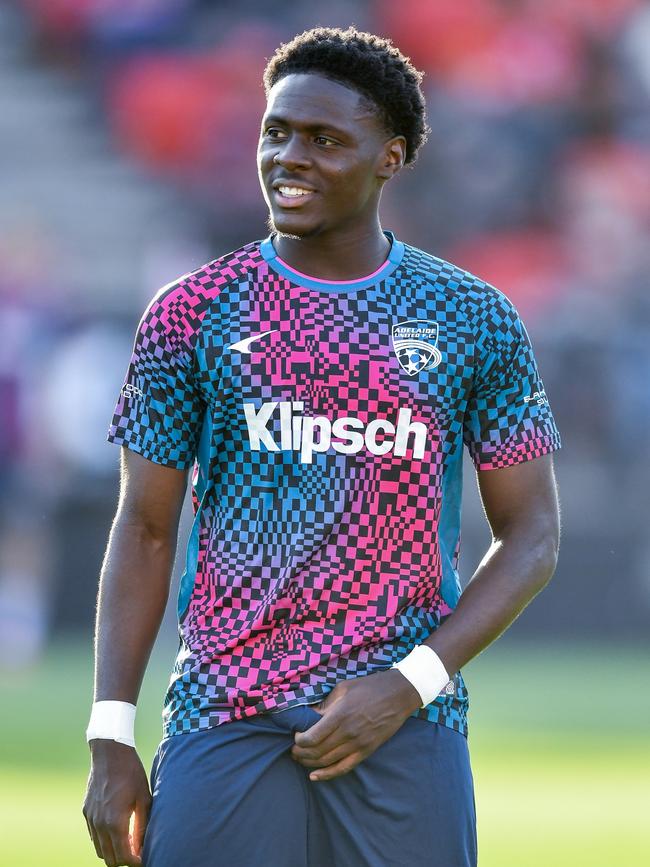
x=392 y=157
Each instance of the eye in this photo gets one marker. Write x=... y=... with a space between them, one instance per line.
x=274 y=133
x=324 y=140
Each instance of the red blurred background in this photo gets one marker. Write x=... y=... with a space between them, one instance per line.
x=129 y=132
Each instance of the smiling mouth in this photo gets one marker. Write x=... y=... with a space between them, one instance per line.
x=290 y=197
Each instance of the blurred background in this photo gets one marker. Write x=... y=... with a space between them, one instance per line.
x=128 y=131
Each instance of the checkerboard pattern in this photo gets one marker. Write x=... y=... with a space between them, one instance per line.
x=300 y=575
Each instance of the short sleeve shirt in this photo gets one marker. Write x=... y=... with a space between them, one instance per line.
x=325 y=423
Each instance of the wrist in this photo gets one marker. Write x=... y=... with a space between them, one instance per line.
x=425 y=671
x=112 y=721
x=104 y=752
x=404 y=694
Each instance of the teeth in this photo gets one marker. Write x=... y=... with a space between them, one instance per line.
x=293 y=191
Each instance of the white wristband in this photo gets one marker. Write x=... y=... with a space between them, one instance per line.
x=112 y=720
x=425 y=671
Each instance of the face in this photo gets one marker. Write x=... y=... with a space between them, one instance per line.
x=323 y=156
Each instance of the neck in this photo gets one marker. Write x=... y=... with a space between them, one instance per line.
x=330 y=256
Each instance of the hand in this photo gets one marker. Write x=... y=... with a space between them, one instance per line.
x=358 y=715
x=117 y=788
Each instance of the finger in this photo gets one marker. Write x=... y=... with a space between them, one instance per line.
x=95 y=838
x=337 y=770
x=335 y=739
x=140 y=819
x=327 y=724
x=122 y=845
x=106 y=848
x=329 y=758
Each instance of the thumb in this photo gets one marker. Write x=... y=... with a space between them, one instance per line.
x=140 y=819
x=322 y=705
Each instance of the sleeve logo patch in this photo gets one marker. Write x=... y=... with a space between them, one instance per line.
x=415 y=342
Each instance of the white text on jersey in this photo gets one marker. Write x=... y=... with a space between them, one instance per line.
x=298 y=432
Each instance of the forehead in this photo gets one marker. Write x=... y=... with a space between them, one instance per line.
x=310 y=99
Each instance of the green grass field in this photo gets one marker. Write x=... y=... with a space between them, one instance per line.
x=560 y=741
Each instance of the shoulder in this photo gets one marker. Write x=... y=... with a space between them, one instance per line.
x=203 y=284
x=178 y=307
x=481 y=304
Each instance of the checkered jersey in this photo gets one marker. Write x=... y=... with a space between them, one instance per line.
x=326 y=424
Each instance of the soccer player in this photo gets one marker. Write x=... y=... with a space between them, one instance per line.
x=322 y=383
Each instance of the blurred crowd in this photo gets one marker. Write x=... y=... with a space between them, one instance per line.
x=536 y=177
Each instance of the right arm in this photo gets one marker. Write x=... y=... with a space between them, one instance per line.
x=133 y=591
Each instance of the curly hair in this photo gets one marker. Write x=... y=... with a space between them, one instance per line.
x=369 y=64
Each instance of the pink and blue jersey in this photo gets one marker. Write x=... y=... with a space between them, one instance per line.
x=326 y=424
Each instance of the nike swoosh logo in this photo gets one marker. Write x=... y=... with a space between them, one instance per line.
x=243 y=345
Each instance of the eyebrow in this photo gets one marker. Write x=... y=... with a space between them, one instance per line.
x=311 y=127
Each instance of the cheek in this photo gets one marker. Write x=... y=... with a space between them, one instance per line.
x=264 y=165
x=264 y=160
x=355 y=182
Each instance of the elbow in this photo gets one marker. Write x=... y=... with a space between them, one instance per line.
x=533 y=547
x=549 y=557
x=144 y=532
x=545 y=551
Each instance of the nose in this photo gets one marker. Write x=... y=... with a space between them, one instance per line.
x=292 y=154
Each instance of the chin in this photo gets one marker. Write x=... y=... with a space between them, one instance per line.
x=291 y=225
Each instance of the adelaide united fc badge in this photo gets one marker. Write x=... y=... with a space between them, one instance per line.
x=415 y=342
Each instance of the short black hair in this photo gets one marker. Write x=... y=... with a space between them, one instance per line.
x=369 y=64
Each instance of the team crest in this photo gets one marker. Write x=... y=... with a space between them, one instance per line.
x=415 y=342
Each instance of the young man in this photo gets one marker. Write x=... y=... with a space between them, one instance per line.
x=323 y=383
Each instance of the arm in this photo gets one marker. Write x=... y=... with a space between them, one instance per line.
x=522 y=509
x=133 y=592
x=521 y=506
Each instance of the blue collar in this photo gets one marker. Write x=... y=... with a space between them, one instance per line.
x=394 y=258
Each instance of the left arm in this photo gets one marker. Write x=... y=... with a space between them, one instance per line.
x=521 y=507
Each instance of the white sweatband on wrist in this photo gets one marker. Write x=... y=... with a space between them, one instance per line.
x=113 y=721
x=424 y=669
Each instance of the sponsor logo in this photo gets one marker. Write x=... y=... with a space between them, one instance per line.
x=244 y=345
x=345 y=434
x=131 y=391
x=538 y=397
x=415 y=342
